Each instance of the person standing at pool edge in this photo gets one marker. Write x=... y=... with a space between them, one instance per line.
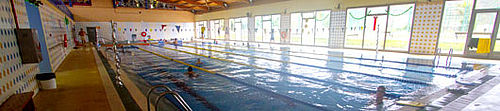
x=272 y=35
x=82 y=35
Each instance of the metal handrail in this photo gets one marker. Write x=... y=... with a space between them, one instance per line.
x=168 y=91
x=449 y=57
x=178 y=97
x=436 y=55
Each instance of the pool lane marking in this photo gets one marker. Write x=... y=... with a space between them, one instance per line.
x=196 y=96
x=196 y=67
x=235 y=80
x=389 y=94
x=350 y=57
x=374 y=66
x=397 y=79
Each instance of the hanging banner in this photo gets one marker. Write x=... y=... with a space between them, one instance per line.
x=374 y=22
x=178 y=27
x=202 y=30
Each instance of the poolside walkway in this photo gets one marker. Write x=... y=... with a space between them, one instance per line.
x=79 y=86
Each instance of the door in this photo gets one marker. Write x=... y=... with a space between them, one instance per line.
x=92 y=34
x=483 y=34
x=375 y=31
x=266 y=25
x=237 y=31
x=308 y=29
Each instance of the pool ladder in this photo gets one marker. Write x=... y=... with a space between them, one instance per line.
x=438 y=56
x=448 y=58
x=176 y=95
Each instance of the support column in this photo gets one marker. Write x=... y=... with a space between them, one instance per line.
x=425 y=29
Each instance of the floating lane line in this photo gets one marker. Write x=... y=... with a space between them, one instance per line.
x=433 y=73
x=350 y=57
x=244 y=83
x=389 y=94
x=397 y=79
x=196 y=67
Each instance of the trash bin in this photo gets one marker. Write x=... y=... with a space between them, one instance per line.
x=46 y=80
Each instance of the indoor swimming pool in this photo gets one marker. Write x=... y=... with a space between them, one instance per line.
x=271 y=77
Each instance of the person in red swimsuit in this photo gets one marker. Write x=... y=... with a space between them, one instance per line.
x=82 y=35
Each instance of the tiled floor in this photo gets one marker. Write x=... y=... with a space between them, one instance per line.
x=79 y=86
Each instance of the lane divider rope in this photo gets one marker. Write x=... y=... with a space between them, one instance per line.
x=397 y=79
x=425 y=72
x=350 y=57
x=244 y=83
x=389 y=94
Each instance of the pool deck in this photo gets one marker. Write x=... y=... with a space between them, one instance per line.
x=485 y=97
x=477 y=98
x=80 y=86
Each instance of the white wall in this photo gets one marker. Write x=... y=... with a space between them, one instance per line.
x=152 y=29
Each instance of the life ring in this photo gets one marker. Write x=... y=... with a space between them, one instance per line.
x=283 y=35
x=143 y=34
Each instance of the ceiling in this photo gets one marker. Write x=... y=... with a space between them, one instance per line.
x=203 y=6
x=195 y=6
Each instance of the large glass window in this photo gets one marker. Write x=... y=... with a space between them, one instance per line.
x=496 y=48
x=381 y=27
x=199 y=26
x=258 y=28
x=238 y=29
x=322 y=32
x=310 y=28
x=354 y=27
x=216 y=29
x=399 y=27
x=296 y=28
x=454 y=25
x=488 y=4
x=267 y=28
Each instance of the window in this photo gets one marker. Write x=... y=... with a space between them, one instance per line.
x=399 y=27
x=310 y=28
x=296 y=30
x=454 y=25
x=487 y=4
x=238 y=29
x=381 y=27
x=355 y=24
x=322 y=32
x=199 y=26
x=267 y=28
x=216 y=29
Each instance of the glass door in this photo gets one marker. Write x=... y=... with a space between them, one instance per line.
x=484 y=28
x=266 y=25
x=308 y=31
x=375 y=30
x=237 y=30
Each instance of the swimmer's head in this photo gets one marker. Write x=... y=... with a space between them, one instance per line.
x=190 y=69
x=381 y=88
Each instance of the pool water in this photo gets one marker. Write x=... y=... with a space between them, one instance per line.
x=281 y=79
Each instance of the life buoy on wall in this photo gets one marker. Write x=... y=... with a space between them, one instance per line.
x=143 y=34
x=283 y=34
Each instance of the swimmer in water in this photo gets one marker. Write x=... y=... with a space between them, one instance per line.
x=191 y=73
x=198 y=62
x=379 y=96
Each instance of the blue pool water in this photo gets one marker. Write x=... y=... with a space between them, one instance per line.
x=285 y=80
